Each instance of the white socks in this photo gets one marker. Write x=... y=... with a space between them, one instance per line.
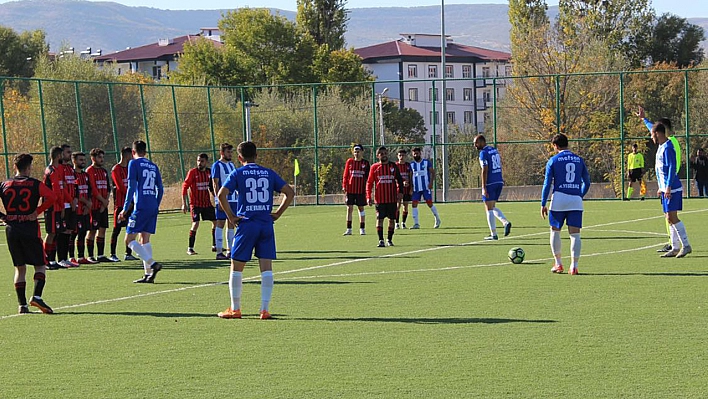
x=575 y=249
x=235 y=288
x=435 y=211
x=682 y=235
x=415 y=216
x=362 y=216
x=675 y=239
x=144 y=252
x=230 y=237
x=491 y=222
x=219 y=238
x=266 y=288
x=556 y=246
x=500 y=215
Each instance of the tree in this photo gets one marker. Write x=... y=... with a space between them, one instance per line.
x=675 y=40
x=324 y=20
x=203 y=63
x=406 y=124
x=20 y=52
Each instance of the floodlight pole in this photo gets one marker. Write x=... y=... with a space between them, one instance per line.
x=248 y=105
x=443 y=124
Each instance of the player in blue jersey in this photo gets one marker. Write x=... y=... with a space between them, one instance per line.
x=670 y=191
x=422 y=177
x=144 y=195
x=254 y=219
x=492 y=184
x=220 y=170
x=567 y=174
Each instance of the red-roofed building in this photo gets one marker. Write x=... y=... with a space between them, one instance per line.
x=409 y=67
x=156 y=59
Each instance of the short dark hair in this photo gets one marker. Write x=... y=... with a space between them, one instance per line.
x=226 y=146
x=659 y=128
x=666 y=122
x=126 y=150
x=23 y=161
x=55 y=152
x=561 y=140
x=204 y=156
x=140 y=147
x=77 y=154
x=402 y=151
x=382 y=148
x=247 y=150
x=96 y=152
x=481 y=138
x=415 y=149
x=635 y=145
x=65 y=146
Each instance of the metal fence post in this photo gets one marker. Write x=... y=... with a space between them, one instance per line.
x=317 y=145
x=43 y=122
x=4 y=131
x=211 y=123
x=79 y=119
x=558 y=105
x=621 y=115
x=177 y=131
x=145 y=121
x=114 y=125
x=688 y=132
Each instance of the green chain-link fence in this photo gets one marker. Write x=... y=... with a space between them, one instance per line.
x=316 y=124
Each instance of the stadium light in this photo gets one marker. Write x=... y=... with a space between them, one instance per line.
x=248 y=105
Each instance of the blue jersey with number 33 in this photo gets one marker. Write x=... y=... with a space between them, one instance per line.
x=255 y=186
x=144 y=185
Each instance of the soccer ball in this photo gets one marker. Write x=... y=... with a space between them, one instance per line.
x=516 y=255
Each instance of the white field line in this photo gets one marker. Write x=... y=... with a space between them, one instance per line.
x=252 y=278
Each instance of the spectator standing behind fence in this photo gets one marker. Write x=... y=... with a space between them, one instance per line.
x=699 y=164
x=635 y=170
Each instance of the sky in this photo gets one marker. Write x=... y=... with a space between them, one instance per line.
x=683 y=8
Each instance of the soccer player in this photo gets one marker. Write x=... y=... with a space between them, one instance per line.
x=254 y=217
x=405 y=169
x=567 y=174
x=53 y=216
x=145 y=192
x=198 y=183
x=677 y=148
x=83 y=210
x=71 y=202
x=670 y=191
x=635 y=170
x=386 y=183
x=20 y=196
x=423 y=177
x=100 y=187
x=492 y=184
x=356 y=171
x=119 y=175
x=220 y=170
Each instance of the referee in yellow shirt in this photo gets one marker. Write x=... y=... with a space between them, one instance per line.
x=635 y=170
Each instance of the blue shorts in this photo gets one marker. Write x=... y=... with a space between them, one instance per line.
x=221 y=215
x=673 y=204
x=142 y=221
x=252 y=235
x=494 y=191
x=573 y=218
x=425 y=194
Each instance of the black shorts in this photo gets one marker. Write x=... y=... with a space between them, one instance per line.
x=69 y=219
x=99 y=220
x=116 y=223
x=53 y=222
x=407 y=197
x=25 y=245
x=635 y=175
x=206 y=213
x=83 y=223
x=387 y=210
x=356 y=199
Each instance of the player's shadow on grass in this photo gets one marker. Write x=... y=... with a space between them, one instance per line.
x=144 y=314
x=308 y=282
x=585 y=237
x=322 y=252
x=652 y=274
x=428 y=320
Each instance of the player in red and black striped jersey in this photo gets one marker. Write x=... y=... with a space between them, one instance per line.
x=119 y=176
x=100 y=187
x=20 y=197
x=83 y=208
x=387 y=185
x=54 y=216
x=356 y=171
x=405 y=168
x=70 y=204
x=199 y=187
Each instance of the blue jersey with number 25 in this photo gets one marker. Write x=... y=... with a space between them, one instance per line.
x=255 y=186
x=144 y=185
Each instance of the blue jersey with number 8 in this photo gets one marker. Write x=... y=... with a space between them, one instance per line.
x=144 y=185
x=255 y=185
x=567 y=173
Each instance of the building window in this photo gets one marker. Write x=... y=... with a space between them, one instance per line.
x=469 y=117
x=435 y=139
x=507 y=70
x=433 y=118
x=451 y=117
x=432 y=71
x=433 y=94
x=450 y=94
x=413 y=94
x=486 y=72
x=449 y=71
x=467 y=71
x=157 y=72
x=487 y=97
x=412 y=71
x=467 y=94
